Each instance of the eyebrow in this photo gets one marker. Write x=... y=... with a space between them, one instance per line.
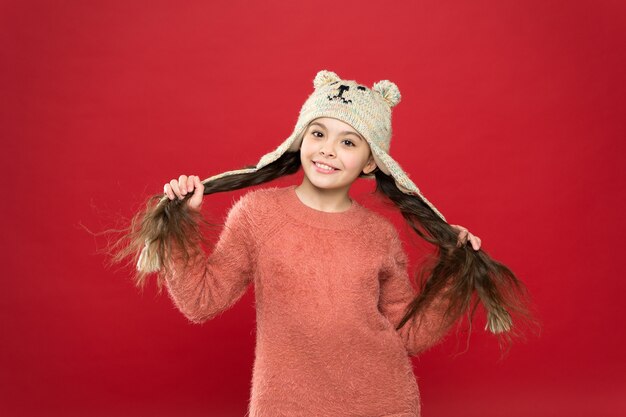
x=342 y=133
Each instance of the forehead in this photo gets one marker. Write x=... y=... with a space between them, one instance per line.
x=332 y=123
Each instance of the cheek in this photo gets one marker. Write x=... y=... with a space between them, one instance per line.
x=353 y=161
x=306 y=150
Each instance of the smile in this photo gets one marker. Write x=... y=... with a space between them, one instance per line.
x=324 y=168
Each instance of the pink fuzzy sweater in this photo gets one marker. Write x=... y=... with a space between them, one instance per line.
x=330 y=289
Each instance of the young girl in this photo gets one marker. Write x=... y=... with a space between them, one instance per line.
x=337 y=316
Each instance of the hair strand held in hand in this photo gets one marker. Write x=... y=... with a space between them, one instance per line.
x=169 y=226
x=465 y=276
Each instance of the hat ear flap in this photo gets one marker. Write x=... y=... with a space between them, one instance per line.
x=389 y=91
x=325 y=77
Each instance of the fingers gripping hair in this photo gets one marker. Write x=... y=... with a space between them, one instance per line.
x=463 y=276
x=166 y=226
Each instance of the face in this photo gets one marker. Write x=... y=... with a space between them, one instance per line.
x=333 y=154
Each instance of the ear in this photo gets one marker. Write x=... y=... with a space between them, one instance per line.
x=325 y=77
x=389 y=91
x=370 y=166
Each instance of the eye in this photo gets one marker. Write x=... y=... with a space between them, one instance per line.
x=350 y=142
x=315 y=132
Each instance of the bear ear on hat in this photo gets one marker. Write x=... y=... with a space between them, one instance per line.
x=389 y=91
x=325 y=77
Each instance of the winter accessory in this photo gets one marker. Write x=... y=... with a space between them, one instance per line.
x=368 y=111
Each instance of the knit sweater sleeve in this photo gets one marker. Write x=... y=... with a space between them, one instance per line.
x=422 y=331
x=211 y=284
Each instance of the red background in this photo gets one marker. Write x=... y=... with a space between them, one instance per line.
x=511 y=123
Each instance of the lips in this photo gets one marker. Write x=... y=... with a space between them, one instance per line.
x=324 y=163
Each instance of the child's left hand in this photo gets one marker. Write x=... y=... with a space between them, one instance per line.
x=465 y=235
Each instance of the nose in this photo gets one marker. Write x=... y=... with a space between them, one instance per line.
x=327 y=148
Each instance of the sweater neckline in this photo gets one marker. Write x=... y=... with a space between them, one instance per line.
x=340 y=220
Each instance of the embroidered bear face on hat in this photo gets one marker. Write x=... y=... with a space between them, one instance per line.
x=367 y=110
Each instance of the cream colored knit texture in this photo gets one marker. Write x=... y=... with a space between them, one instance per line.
x=369 y=113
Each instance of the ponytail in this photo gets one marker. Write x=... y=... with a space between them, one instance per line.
x=464 y=276
x=166 y=224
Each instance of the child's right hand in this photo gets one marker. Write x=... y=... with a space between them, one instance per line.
x=184 y=185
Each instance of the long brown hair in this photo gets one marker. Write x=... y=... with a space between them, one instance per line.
x=467 y=277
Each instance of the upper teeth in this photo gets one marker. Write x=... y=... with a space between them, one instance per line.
x=323 y=166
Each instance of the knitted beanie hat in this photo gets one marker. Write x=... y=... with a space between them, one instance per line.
x=367 y=110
